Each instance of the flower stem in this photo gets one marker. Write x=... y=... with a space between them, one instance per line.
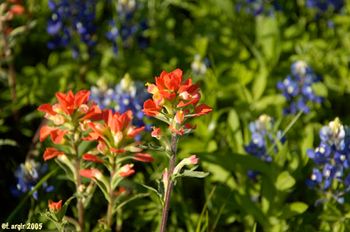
x=292 y=123
x=169 y=189
x=110 y=210
x=111 y=195
x=80 y=205
x=285 y=131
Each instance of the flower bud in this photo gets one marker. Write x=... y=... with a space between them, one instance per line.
x=185 y=162
x=156 y=132
x=126 y=170
x=55 y=207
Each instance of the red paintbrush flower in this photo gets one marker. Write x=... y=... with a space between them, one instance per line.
x=174 y=101
x=55 y=206
x=51 y=153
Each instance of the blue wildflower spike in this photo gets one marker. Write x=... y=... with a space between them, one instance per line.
x=297 y=88
x=331 y=159
x=28 y=175
x=262 y=135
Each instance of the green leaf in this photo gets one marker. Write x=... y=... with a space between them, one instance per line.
x=293 y=209
x=339 y=227
x=196 y=174
x=64 y=208
x=135 y=197
x=267 y=33
x=307 y=143
x=233 y=120
x=284 y=181
x=153 y=190
x=8 y=142
x=320 y=89
x=265 y=101
x=201 y=45
x=259 y=83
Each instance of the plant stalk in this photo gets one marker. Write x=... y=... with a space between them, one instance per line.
x=111 y=195
x=170 y=186
x=80 y=205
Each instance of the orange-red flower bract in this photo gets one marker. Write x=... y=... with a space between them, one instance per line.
x=55 y=134
x=55 y=206
x=150 y=108
x=92 y=158
x=169 y=83
x=156 y=132
x=91 y=173
x=70 y=102
x=126 y=170
x=143 y=157
x=51 y=153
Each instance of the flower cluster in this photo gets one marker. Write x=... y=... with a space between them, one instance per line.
x=323 y=6
x=66 y=115
x=127 y=95
x=262 y=135
x=28 y=175
x=74 y=115
x=332 y=160
x=71 y=20
x=115 y=136
x=297 y=88
x=174 y=101
x=75 y=119
x=124 y=27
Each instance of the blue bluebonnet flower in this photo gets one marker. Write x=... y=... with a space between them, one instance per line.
x=127 y=95
x=28 y=175
x=325 y=5
x=262 y=137
x=123 y=27
x=297 y=88
x=332 y=160
x=257 y=7
x=199 y=65
x=71 y=19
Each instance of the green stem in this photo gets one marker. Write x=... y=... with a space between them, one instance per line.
x=169 y=189
x=285 y=131
x=292 y=123
x=110 y=210
x=80 y=206
x=111 y=195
